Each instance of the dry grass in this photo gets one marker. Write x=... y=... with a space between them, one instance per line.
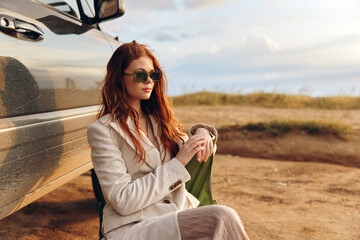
x=278 y=127
x=270 y=100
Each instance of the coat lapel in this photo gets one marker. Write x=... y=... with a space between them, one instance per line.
x=157 y=134
x=152 y=155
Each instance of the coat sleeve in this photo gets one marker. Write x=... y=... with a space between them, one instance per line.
x=211 y=129
x=127 y=196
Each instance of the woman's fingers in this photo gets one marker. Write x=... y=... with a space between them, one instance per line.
x=210 y=149
x=194 y=139
x=207 y=151
x=195 y=144
x=200 y=154
x=204 y=153
x=200 y=145
x=197 y=151
x=190 y=148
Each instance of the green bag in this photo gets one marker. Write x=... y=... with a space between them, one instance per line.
x=200 y=183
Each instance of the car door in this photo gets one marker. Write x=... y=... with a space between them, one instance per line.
x=51 y=65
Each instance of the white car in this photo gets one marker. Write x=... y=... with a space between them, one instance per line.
x=53 y=56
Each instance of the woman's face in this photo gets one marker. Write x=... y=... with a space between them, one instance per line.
x=139 y=90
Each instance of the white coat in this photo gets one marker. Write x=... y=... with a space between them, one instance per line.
x=136 y=191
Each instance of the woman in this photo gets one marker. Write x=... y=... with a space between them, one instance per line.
x=139 y=152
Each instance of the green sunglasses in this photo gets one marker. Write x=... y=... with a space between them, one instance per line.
x=141 y=76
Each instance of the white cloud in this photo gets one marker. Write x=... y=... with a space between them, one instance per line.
x=260 y=44
x=147 y=6
x=272 y=75
x=294 y=17
x=214 y=49
x=164 y=36
x=249 y=43
x=203 y=4
x=252 y=66
x=272 y=2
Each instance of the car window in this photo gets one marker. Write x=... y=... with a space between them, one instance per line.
x=88 y=7
x=67 y=6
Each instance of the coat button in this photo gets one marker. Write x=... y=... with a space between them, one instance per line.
x=166 y=201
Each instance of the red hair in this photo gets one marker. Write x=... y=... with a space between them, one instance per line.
x=116 y=103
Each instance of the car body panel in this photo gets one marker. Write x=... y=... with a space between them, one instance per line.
x=49 y=95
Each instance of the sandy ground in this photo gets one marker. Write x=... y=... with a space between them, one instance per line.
x=276 y=199
x=290 y=200
x=224 y=115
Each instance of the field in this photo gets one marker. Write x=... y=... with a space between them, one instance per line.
x=294 y=185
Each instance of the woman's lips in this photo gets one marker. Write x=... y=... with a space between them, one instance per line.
x=147 y=89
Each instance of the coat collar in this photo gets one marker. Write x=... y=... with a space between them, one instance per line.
x=157 y=135
x=152 y=155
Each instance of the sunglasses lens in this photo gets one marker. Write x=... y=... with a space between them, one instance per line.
x=140 y=77
x=155 y=76
x=143 y=76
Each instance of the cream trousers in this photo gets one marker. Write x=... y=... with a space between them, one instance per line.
x=215 y=222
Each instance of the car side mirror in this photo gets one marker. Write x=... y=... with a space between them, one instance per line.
x=108 y=9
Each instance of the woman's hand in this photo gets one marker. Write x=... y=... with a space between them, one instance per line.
x=205 y=153
x=193 y=145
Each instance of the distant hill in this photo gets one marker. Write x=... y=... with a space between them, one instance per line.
x=270 y=100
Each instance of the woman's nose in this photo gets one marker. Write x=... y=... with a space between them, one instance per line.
x=149 y=79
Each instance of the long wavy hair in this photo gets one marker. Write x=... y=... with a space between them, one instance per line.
x=115 y=100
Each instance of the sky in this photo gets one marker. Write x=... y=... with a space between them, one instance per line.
x=309 y=47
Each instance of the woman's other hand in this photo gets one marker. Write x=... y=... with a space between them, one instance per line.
x=192 y=146
x=205 y=153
